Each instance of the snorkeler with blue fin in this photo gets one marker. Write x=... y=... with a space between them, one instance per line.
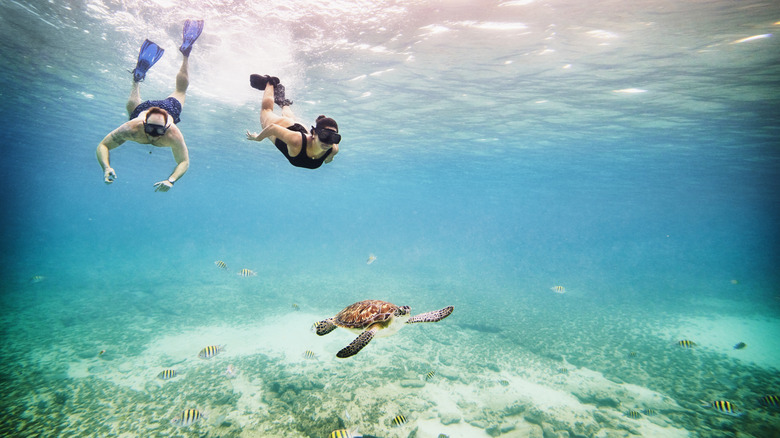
x=154 y=121
x=150 y=53
x=190 y=33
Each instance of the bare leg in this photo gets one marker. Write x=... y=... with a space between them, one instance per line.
x=268 y=98
x=135 y=98
x=182 y=81
x=267 y=115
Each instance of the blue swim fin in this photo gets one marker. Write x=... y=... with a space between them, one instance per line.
x=149 y=54
x=191 y=32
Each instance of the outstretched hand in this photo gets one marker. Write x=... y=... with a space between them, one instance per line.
x=265 y=133
x=252 y=136
x=109 y=175
x=163 y=186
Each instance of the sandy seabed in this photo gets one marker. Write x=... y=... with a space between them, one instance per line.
x=508 y=393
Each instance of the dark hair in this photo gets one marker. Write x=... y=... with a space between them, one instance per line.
x=327 y=122
x=157 y=110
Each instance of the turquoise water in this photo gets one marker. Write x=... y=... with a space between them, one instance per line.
x=491 y=151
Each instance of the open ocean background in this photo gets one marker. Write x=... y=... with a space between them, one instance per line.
x=628 y=151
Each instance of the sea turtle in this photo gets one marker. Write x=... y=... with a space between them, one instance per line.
x=374 y=318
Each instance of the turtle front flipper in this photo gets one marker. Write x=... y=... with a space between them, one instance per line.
x=358 y=344
x=436 y=315
x=324 y=327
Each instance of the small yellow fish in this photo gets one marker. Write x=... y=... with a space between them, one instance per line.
x=723 y=406
x=770 y=400
x=371 y=259
x=399 y=420
x=187 y=417
x=563 y=370
x=37 y=279
x=167 y=374
x=308 y=354
x=211 y=351
x=430 y=375
x=558 y=289
x=220 y=264
x=295 y=306
x=634 y=414
x=686 y=344
x=246 y=273
x=503 y=382
x=101 y=352
x=344 y=433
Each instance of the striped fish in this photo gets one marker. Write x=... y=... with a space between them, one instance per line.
x=558 y=289
x=295 y=306
x=723 y=406
x=37 y=279
x=686 y=344
x=211 y=351
x=430 y=375
x=649 y=411
x=187 y=417
x=632 y=354
x=344 y=433
x=563 y=370
x=167 y=374
x=770 y=400
x=308 y=354
x=503 y=382
x=399 y=420
x=634 y=414
x=220 y=264
x=246 y=273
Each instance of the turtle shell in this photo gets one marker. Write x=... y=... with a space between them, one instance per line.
x=364 y=313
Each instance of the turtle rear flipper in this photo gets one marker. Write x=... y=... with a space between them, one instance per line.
x=358 y=344
x=324 y=327
x=436 y=315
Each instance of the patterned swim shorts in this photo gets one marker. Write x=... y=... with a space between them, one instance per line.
x=171 y=105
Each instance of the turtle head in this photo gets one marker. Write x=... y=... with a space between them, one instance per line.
x=403 y=311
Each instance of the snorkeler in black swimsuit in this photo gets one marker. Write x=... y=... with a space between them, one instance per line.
x=302 y=159
x=308 y=151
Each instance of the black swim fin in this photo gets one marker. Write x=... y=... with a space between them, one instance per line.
x=279 y=98
x=259 y=82
x=150 y=53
